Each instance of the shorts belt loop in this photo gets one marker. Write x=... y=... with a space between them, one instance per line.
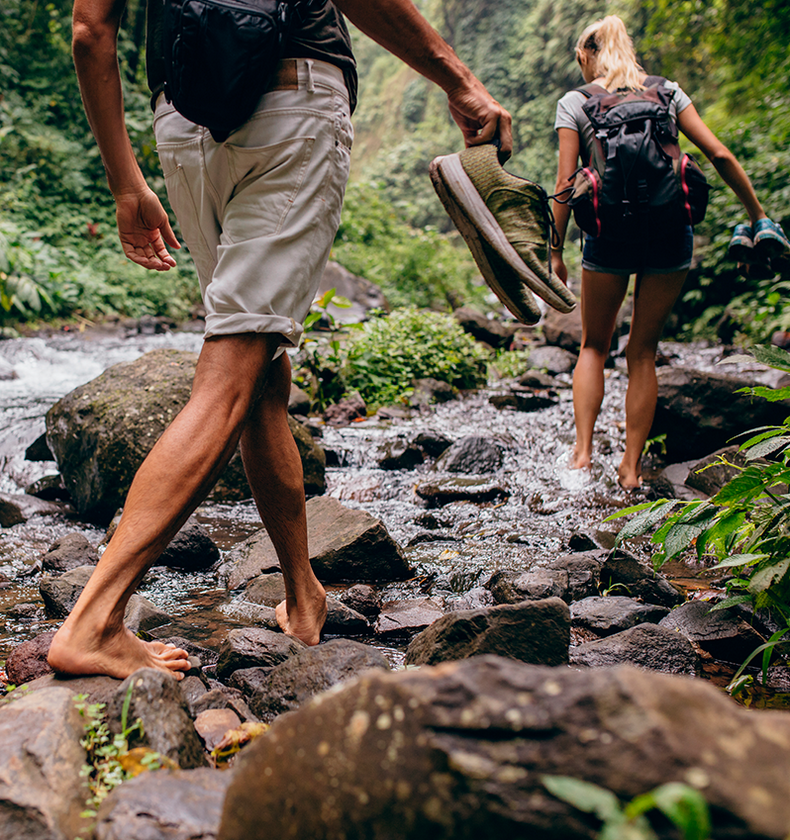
x=309 y=65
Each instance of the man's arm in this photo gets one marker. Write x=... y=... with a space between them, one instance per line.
x=142 y=221
x=400 y=28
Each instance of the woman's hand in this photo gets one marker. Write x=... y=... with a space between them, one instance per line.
x=558 y=266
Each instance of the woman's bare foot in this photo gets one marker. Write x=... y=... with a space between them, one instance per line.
x=80 y=652
x=628 y=479
x=580 y=460
x=305 y=618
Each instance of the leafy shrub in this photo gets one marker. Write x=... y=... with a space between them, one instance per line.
x=409 y=344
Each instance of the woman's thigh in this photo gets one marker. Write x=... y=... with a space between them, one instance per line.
x=602 y=296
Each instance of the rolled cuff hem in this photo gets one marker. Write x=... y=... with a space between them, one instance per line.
x=245 y=322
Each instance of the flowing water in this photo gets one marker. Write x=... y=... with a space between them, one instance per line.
x=546 y=502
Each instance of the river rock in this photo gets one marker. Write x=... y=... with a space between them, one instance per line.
x=444 y=491
x=538 y=381
x=613 y=613
x=69 y=552
x=346 y=411
x=522 y=400
x=363 y=295
x=722 y=633
x=427 y=391
x=253 y=647
x=534 y=585
x=700 y=412
x=432 y=443
x=267 y=589
x=639 y=579
x=16 y=508
x=291 y=683
x=224 y=697
x=403 y=618
x=157 y=701
x=344 y=544
x=459 y=751
x=50 y=488
x=489 y=330
x=552 y=360
x=212 y=724
x=41 y=790
x=472 y=455
x=362 y=599
x=584 y=573
x=298 y=401
x=400 y=454
x=60 y=594
x=101 y=432
x=646 y=645
x=563 y=329
x=39 y=450
x=710 y=474
x=28 y=660
x=536 y=632
x=172 y=804
x=191 y=550
x=96 y=689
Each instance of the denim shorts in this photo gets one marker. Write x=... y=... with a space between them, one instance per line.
x=656 y=256
x=259 y=212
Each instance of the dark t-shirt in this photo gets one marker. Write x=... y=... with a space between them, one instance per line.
x=321 y=33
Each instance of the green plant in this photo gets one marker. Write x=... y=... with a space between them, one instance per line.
x=745 y=527
x=682 y=805
x=390 y=352
x=510 y=363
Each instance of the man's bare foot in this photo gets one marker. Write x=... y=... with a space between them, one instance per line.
x=118 y=655
x=305 y=618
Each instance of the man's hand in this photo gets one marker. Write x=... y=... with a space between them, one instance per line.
x=144 y=229
x=480 y=117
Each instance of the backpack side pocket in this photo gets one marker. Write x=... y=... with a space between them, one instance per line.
x=694 y=189
x=585 y=200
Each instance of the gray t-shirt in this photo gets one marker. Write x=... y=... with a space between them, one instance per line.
x=571 y=115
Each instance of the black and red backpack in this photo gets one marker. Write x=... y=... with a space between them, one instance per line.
x=637 y=185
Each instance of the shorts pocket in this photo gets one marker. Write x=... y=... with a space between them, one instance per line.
x=183 y=204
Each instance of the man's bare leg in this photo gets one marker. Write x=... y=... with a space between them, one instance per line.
x=175 y=477
x=274 y=471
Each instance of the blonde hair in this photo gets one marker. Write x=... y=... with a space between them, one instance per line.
x=611 y=50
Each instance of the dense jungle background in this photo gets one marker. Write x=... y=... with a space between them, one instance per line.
x=60 y=259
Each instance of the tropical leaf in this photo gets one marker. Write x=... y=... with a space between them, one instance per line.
x=745 y=485
x=645 y=520
x=772 y=356
x=585 y=796
x=739 y=560
x=769 y=575
x=766 y=447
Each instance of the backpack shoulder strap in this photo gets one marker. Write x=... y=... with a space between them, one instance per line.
x=591 y=90
x=654 y=80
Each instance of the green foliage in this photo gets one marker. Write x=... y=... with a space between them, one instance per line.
x=745 y=527
x=510 y=363
x=409 y=344
x=684 y=806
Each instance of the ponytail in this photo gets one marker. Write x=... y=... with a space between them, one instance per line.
x=611 y=49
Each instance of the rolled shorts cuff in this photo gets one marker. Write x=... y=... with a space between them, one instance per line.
x=248 y=322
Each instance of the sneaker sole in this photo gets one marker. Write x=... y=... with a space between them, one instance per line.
x=767 y=247
x=526 y=311
x=462 y=192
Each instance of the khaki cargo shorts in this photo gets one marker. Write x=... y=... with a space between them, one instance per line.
x=259 y=212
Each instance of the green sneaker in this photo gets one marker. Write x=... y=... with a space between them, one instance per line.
x=509 y=214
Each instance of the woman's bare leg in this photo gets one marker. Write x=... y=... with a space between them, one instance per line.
x=602 y=295
x=657 y=296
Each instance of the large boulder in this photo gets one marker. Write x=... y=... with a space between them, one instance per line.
x=41 y=790
x=102 y=431
x=700 y=412
x=344 y=544
x=359 y=292
x=459 y=752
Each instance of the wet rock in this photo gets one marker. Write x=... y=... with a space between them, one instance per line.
x=344 y=544
x=205 y=656
x=342 y=620
x=96 y=689
x=253 y=647
x=428 y=391
x=192 y=549
x=39 y=450
x=60 y=594
x=447 y=490
x=193 y=687
x=403 y=618
x=298 y=401
x=17 y=508
x=172 y=804
x=431 y=536
x=522 y=400
x=69 y=552
x=700 y=412
x=212 y=724
x=534 y=585
x=28 y=660
x=540 y=381
x=639 y=579
x=492 y=332
x=552 y=360
x=245 y=612
x=346 y=411
x=646 y=645
x=472 y=455
x=224 y=697
x=584 y=573
x=267 y=589
x=41 y=790
x=563 y=330
x=536 y=632
x=432 y=443
x=429 y=521
x=23 y=611
x=101 y=432
x=362 y=599
x=674 y=476
x=400 y=454
x=291 y=683
x=466 y=746
x=592 y=540
x=476 y=598
x=709 y=475
x=50 y=488
x=721 y=633
x=611 y=614
x=157 y=701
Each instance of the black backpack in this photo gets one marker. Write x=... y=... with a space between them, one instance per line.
x=638 y=185
x=220 y=56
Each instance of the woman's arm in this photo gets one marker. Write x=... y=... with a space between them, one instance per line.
x=691 y=124
x=567 y=165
